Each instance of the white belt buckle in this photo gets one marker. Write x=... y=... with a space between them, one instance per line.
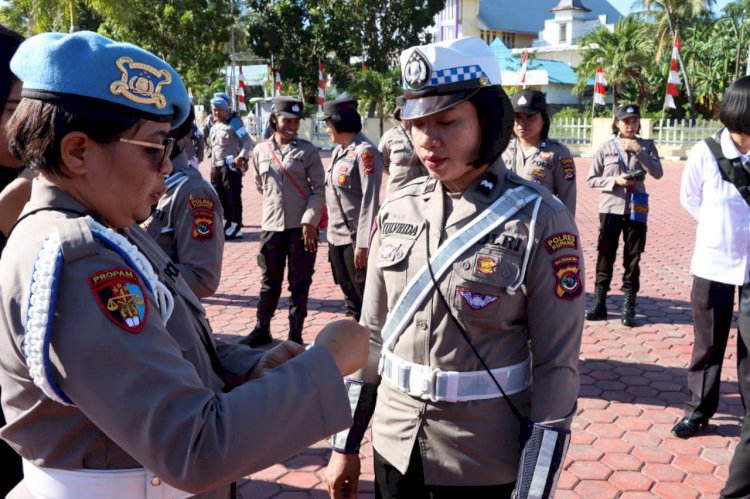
x=422 y=382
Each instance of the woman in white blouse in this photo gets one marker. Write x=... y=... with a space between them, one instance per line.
x=721 y=262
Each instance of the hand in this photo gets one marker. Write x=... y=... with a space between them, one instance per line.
x=274 y=358
x=341 y=475
x=310 y=238
x=360 y=258
x=348 y=343
x=630 y=145
x=623 y=181
x=240 y=164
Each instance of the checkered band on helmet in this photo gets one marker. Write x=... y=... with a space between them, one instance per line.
x=453 y=75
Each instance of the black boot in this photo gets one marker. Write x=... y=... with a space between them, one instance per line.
x=261 y=335
x=598 y=311
x=295 y=329
x=628 y=310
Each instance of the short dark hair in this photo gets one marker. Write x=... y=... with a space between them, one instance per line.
x=346 y=122
x=547 y=124
x=37 y=128
x=735 y=106
x=9 y=42
x=496 y=118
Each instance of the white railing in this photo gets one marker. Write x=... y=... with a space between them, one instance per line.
x=571 y=130
x=683 y=131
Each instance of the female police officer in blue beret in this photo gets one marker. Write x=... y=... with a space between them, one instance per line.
x=112 y=384
x=472 y=270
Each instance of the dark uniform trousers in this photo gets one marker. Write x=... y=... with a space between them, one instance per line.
x=713 y=304
x=738 y=483
x=350 y=279
x=634 y=239
x=390 y=483
x=228 y=186
x=12 y=473
x=276 y=249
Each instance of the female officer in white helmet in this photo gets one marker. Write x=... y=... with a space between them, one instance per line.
x=449 y=377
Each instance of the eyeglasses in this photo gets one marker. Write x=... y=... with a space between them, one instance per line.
x=165 y=147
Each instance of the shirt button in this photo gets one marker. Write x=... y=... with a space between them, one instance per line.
x=422 y=325
x=466 y=265
x=156 y=481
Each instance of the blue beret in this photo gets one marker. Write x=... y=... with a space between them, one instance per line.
x=222 y=95
x=81 y=66
x=219 y=103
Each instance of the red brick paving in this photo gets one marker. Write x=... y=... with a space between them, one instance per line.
x=632 y=380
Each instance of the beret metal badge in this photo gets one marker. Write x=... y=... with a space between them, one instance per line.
x=417 y=70
x=141 y=83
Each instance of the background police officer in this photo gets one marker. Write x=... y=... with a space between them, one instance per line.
x=289 y=175
x=536 y=157
x=352 y=195
x=397 y=149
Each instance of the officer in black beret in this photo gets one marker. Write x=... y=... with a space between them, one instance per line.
x=352 y=195
x=289 y=176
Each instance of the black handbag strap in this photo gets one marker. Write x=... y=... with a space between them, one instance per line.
x=732 y=170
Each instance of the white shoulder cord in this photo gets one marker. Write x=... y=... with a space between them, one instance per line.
x=164 y=299
x=511 y=290
x=43 y=290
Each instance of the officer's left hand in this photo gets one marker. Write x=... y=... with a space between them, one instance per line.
x=275 y=357
x=310 y=238
x=630 y=145
x=360 y=258
x=241 y=164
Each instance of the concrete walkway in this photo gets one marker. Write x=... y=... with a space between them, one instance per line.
x=632 y=380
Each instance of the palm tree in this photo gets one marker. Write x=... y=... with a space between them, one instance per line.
x=53 y=15
x=626 y=52
x=377 y=91
x=671 y=17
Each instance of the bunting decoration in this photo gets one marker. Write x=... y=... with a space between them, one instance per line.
x=321 y=88
x=674 y=76
x=523 y=67
x=600 y=87
x=241 y=92
x=277 y=85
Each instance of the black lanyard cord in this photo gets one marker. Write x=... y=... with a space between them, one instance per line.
x=521 y=418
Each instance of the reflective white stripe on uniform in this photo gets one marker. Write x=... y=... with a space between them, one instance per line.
x=49 y=483
x=453 y=386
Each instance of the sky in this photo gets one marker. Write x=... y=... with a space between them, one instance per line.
x=625 y=5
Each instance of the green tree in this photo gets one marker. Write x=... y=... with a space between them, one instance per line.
x=299 y=33
x=377 y=92
x=36 y=16
x=624 y=54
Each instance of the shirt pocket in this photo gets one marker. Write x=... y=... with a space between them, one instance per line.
x=478 y=283
x=393 y=262
x=401 y=154
x=611 y=167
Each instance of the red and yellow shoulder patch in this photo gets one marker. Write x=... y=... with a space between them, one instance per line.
x=203 y=218
x=121 y=297
x=569 y=168
x=368 y=161
x=568 y=284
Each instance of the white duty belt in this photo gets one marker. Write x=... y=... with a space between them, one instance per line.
x=453 y=386
x=48 y=483
x=427 y=383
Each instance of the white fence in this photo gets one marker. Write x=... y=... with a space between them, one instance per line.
x=683 y=131
x=571 y=130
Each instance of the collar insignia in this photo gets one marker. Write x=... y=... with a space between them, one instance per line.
x=141 y=83
x=417 y=70
x=488 y=182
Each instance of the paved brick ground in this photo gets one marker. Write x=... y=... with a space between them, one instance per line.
x=632 y=380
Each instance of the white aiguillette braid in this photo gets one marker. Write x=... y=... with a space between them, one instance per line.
x=164 y=299
x=42 y=302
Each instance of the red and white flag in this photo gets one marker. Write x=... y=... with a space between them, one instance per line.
x=674 y=76
x=241 y=92
x=523 y=67
x=600 y=87
x=277 y=85
x=321 y=88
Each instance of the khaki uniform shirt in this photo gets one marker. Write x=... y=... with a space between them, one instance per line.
x=475 y=442
x=353 y=192
x=608 y=164
x=187 y=225
x=398 y=159
x=224 y=141
x=145 y=396
x=284 y=207
x=549 y=164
